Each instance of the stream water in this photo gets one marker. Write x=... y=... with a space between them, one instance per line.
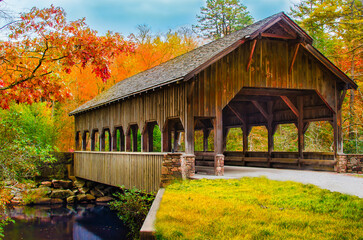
x=82 y=222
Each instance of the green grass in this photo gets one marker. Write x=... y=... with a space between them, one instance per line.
x=257 y=208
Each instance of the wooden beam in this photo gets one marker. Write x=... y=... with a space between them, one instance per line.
x=271 y=35
x=214 y=59
x=294 y=57
x=261 y=109
x=240 y=117
x=290 y=105
x=341 y=99
x=251 y=54
x=274 y=92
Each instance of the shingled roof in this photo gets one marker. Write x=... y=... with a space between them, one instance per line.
x=178 y=68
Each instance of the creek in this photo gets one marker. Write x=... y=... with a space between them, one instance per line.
x=79 y=222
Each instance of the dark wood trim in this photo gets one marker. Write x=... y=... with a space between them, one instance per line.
x=294 y=57
x=271 y=35
x=240 y=117
x=261 y=109
x=214 y=59
x=290 y=105
x=251 y=54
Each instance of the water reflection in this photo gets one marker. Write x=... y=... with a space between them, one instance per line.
x=91 y=222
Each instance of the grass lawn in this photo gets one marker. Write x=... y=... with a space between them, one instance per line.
x=257 y=208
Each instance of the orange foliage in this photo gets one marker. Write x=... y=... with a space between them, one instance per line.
x=85 y=85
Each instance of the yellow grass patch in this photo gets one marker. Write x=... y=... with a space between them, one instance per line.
x=257 y=208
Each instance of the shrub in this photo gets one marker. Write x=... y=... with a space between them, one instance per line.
x=132 y=206
x=26 y=140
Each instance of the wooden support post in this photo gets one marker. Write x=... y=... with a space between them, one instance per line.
x=337 y=122
x=189 y=121
x=122 y=140
x=145 y=138
x=114 y=141
x=300 y=128
x=270 y=129
x=134 y=138
x=93 y=141
x=150 y=134
x=206 y=133
x=84 y=141
x=167 y=139
x=218 y=145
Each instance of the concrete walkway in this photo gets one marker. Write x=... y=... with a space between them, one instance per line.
x=327 y=180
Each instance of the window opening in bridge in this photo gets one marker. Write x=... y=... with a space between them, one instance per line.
x=156 y=139
x=257 y=139
x=198 y=140
x=78 y=141
x=172 y=135
x=210 y=139
x=106 y=140
x=86 y=141
x=319 y=137
x=285 y=138
x=120 y=140
x=95 y=141
x=234 y=140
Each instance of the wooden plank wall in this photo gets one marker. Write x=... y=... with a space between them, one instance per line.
x=140 y=170
x=221 y=81
x=160 y=105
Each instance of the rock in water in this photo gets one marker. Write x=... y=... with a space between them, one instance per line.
x=104 y=199
x=62 y=194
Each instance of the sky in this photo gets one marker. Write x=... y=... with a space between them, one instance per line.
x=123 y=16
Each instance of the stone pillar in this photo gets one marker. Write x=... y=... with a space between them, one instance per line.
x=188 y=165
x=219 y=165
x=176 y=166
x=341 y=165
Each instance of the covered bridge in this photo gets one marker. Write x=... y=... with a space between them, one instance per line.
x=263 y=75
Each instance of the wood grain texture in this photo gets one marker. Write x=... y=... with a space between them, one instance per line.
x=139 y=170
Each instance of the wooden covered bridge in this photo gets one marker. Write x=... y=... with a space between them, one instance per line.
x=263 y=75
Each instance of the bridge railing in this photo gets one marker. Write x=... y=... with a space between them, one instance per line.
x=140 y=170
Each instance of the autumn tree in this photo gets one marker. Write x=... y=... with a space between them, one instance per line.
x=150 y=50
x=337 y=27
x=42 y=45
x=221 y=17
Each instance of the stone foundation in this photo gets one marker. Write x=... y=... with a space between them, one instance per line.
x=176 y=166
x=219 y=165
x=347 y=163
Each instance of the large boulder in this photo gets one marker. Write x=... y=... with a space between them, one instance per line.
x=64 y=184
x=83 y=190
x=97 y=193
x=46 y=184
x=62 y=194
x=43 y=201
x=85 y=198
x=79 y=183
x=71 y=199
x=104 y=199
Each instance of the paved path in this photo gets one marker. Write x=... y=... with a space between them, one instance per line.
x=327 y=180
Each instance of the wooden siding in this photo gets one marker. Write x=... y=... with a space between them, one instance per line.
x=140 y=170
x=219 y=83
x=160 y=105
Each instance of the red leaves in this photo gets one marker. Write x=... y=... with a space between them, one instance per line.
x=42 y=46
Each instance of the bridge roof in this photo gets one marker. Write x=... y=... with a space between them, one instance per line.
x=184 y=67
